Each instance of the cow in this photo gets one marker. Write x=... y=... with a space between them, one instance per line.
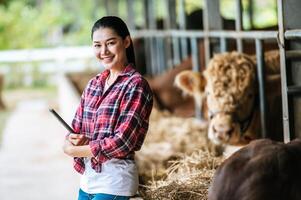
x=262 y=170
x=227 y=93
x=166 y=96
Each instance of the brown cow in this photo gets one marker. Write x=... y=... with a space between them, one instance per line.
x=227 y=92
x=262 y=170
x=167 y=96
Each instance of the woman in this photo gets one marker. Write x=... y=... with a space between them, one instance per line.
x=111 y=121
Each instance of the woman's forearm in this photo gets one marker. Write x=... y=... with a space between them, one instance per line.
x=82 y=151
x=78 y=151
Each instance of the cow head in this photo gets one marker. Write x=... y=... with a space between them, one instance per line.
x=228 y=86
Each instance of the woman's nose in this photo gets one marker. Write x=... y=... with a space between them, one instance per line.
x=104 y=50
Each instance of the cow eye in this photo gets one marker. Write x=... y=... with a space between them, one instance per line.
x=250 y=95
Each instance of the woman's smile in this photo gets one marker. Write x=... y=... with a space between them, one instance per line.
x=107 y=59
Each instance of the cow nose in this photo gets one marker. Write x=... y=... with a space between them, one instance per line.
x=223 y=132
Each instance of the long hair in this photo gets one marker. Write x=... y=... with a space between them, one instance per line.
x=119 y=26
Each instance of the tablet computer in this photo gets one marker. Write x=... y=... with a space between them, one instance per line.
x=58 y=117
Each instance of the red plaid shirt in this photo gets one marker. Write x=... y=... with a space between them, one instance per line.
x=115 y=121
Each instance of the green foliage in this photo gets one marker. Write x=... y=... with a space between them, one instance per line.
x=264 y=12
x=25 y=26
x=46 y=23
x=83 y=16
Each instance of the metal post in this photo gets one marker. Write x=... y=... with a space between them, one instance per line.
x=152 y=41
x=170 y=6
x=238 y=24
x=171 y=10
x=182 y=25
x=223 y=46
x=195 y=67
x=261 y=80
x=206 y=30
x=146 y=15
x=130 y=14
x=176 y=50
x=290 y=21
x=195 y=53
x=214 y=22
x=148 y=62
x=251 y=13
x=161 y=65
x=286 y=127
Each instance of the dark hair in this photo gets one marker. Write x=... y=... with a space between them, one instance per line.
x=120 y=28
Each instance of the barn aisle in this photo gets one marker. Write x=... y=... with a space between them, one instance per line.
x=32 y=163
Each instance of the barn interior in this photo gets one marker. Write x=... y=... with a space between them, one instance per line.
x=178 y=160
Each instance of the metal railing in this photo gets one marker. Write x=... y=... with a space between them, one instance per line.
x=166 y=48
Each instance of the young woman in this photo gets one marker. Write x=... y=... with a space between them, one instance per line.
x=111 y=121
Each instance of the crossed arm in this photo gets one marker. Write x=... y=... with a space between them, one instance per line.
x=76 y=145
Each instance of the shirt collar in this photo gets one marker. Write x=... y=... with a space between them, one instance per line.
x=129 y=70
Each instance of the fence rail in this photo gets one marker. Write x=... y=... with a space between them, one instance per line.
x=49 y=54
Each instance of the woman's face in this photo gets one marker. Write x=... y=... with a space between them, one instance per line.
x=110 y=48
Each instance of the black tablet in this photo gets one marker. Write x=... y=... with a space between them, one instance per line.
x=57 y=116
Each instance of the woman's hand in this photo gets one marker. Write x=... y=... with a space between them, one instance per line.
x=77 y=146
x=68 y=147
x=77 y=139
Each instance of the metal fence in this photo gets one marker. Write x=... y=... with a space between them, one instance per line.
x=176 y=39
x=167 y=43
x=173 y=40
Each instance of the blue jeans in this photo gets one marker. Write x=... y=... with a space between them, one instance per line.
x=85 y=196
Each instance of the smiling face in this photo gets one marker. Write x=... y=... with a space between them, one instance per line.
x=110 y=49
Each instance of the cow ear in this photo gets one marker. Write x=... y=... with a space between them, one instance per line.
x=273 y=85
x=190 y=82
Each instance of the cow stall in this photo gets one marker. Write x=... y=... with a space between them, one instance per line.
x=170 y=168
x=172 y=40
x=289 y=44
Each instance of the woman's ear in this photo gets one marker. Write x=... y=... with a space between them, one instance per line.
x=127 y=41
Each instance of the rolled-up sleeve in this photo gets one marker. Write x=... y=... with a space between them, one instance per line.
x=131 y=125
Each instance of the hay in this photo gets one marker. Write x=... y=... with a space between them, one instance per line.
x=177 y=160
x=187 y=178
x=195 y=189
x=168 y=138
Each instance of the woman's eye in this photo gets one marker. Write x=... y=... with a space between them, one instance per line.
x=97 y=46
x=110 y=43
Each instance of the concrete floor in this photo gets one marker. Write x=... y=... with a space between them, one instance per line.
x=32 y=163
